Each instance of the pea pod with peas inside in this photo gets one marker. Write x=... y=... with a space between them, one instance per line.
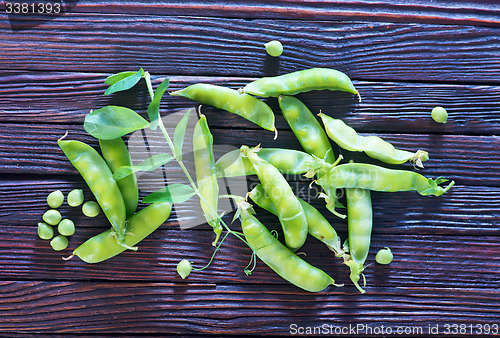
x=290 y=212
x=103 y=246
x=301 y=81
x=375 y=147
x=376 y=178
x=232 y=101
x=359 y=227
x=99 y=178
x=278 y=257
x=205 y=174
x=317 y=225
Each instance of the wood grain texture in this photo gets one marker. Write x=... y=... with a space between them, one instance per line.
x=115 y=308
x=466 y=159
x=175 y=45
x=445 y=12
x=55 y=97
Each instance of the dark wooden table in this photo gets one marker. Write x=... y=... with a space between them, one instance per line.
x=405 y=57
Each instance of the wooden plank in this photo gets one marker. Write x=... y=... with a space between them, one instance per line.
x=229 y=47
x=32 y=149
x=119 y=308
x=444 y=12
x=465 y=210
x=55 y=97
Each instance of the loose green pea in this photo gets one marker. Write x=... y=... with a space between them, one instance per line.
x=52 y=217
x=59 y=243
x=439 y=114
x=384 y=256
x=91 y=209
x=55 y=199
x=45 y=231
x=75 y=197
x=274 y=48
x=66 y=227
x=184 y=268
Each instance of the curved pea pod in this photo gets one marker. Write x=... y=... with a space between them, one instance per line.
x=307 y=128
x=317 y=225
x=116 y=155
x=290 y=212
x=301 y=81
x=279 y=258
x=232 y=101
x=205 y=174
x=287 y=161
x=99 y=178
x=103 y=246
x=375 y=147
x=359 y=226
x=375 y=178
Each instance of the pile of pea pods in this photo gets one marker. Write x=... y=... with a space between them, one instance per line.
x=111 y=176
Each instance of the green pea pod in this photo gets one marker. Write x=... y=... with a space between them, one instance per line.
x=313 y=139
x=375 y=147
x=317 y=225
x=375 y=178
x=279 y=258
x=116 y=155
x=103 y=246
x=301 y=81
x=289 y=210
x=287 y=161
x=205 y=174
x=359 y=225
x=232 y=101
x=99 y=178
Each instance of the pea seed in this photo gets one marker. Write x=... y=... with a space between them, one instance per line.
x=59 y=243
x=184 y=268
x=45 y=231
x=55 y=199
x=66 y=227
x=52 y=217
x=439 y=114
x=91 y=209
x=75 y=197
x=274 y=48
x=384 y=256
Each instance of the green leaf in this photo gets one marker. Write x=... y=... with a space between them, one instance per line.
x=154 y=106
x=111 y=122
x=125 y=83
x=174 y=193
x=148 y=164
x=179 y=133
x=112 y=79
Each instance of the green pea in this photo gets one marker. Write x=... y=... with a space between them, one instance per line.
x=75 y=197
x=384 y=256
x=91 y=209
x=52 y=217
x=439 y=114
x=66 y=227
x=59 y=243
x=55 y=199
x=184 y=268
x=45 y=231
x=274 y=48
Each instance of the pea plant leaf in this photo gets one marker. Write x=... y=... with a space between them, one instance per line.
x=154 y=106
x=112 y=79
x=175 y=193
x=179 y=133
x=111 y=122
x=148 y=164
x=123 y=81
